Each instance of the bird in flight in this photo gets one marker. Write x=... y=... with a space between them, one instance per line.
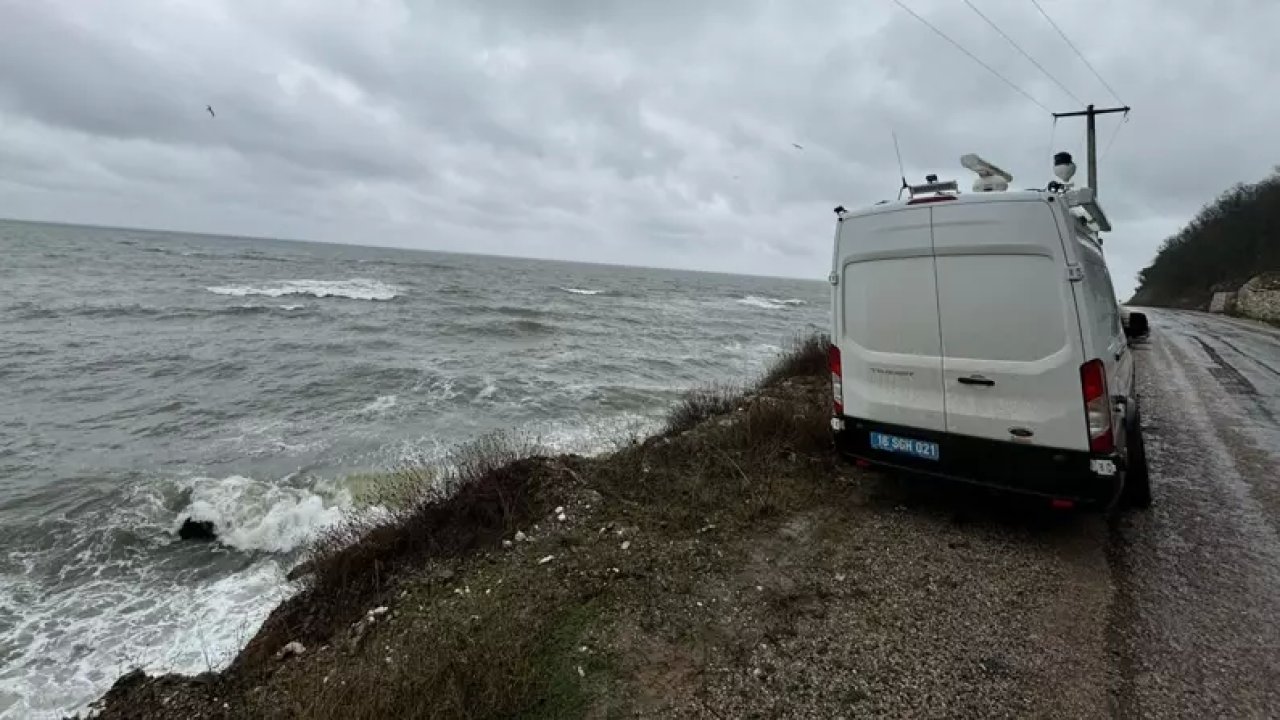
x=210 y=109
x=798 y=147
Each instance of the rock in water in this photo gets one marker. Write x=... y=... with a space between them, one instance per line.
x=197 y=530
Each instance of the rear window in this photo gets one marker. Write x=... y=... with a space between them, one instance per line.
x=889 y=306
x=1001 y=307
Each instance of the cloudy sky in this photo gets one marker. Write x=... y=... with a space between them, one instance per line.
x=654 y=133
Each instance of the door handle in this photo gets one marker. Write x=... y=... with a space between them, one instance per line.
x=977 y=380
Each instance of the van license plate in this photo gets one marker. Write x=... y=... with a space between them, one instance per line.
x=904 y=446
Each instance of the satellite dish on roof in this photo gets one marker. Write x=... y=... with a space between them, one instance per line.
x=990 y=178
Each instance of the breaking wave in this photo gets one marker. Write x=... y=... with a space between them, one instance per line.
x=354 y=289
x=251 y=515
x=769 y=303
x=382 y=404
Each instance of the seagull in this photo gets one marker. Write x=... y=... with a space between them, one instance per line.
x=798 y=147
x=210 y=109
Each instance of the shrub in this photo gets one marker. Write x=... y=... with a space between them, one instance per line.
x=807 y=357
x=488 y=489
x=700 y=404
x=481 y=496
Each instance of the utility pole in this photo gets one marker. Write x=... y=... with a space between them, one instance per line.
x=1090 y=114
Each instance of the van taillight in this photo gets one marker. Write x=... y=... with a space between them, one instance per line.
x=837 y=385
x=1097 y=406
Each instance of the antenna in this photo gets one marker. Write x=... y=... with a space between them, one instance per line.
x=901 y=172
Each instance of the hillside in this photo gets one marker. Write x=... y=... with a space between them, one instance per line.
x=1230 y=241
x=730 y=566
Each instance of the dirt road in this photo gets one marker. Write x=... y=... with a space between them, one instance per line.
x=1195 y=623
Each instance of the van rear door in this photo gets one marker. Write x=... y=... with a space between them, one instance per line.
x=1011 y=341
x=886 y=317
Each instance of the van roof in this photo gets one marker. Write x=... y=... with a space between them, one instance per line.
x=960 y=198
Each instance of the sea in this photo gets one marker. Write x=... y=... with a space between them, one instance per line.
x=147 y=377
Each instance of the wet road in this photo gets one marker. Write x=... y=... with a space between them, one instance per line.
x=1195 y=623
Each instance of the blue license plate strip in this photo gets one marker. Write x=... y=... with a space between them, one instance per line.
x=904 y=446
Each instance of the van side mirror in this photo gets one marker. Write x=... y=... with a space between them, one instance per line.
x=1137 y=326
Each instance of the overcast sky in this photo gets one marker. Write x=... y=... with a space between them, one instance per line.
x=649 y=132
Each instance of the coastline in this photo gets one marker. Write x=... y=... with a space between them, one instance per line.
x=729 y=566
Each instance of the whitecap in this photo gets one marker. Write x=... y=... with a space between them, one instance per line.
x=72 y=639
x=252 y=515
x=581 y=291
x=381 y=404
x=769 y=303
x=78 y=642
x=355 y=289
x=436 y=389
x=487 y=391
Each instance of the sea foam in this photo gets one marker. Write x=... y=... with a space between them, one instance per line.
x=354 y=289
x=769 y=303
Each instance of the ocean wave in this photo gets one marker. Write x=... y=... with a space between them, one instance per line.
x=243 y=309
x=290 y=309
x=381 y=404
x=114 y=587
x=487 y=391
x=507 y=328
x=769 y=303
x=68 y=643
x=252 y=515
x=435 y=388
x=516 y=310
x=401 y=263
x=354 y=289
x=581 y=291
x=31 y=311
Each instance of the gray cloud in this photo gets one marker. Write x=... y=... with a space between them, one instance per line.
x=655 y=133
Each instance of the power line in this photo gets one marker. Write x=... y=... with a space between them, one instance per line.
x=1079 y=54
x=1110 y=142
x=973 y=57
x=1025 y=54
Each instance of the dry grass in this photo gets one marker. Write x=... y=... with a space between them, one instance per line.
x=489 y=488
x=486 y=491
x=394 y=489
x=807 y=357
x=730 y=468
x=700 y=404
x=512 y=655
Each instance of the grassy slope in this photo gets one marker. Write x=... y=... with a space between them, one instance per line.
x=730 y=567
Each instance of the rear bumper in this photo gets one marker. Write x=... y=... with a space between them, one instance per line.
x=1084 y=478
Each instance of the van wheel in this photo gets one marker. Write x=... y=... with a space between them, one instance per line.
x=1137 y=478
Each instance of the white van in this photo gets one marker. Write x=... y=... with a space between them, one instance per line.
x=977 y=337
